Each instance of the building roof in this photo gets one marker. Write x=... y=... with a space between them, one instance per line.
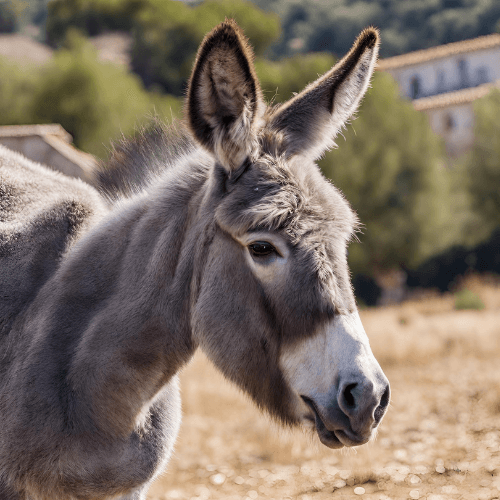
x=85 y=161
x=43 y=130
x=421 y=56
x=464 y=96
x=56 y=137
x=113 y=47
x=24 y=50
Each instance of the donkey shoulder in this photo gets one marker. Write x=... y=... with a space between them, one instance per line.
x=42 y=213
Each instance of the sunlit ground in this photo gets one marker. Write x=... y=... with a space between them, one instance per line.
x=440 y=439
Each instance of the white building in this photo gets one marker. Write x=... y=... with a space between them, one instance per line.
x=444 y=82
x=451 y=116
x=51 y=145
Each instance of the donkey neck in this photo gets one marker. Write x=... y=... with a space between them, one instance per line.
x=115 y=316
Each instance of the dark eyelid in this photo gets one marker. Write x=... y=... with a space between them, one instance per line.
x=272 y=249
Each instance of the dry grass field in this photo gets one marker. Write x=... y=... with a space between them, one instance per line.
x=440 y=439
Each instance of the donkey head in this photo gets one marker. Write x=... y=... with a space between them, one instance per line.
x=274 y=307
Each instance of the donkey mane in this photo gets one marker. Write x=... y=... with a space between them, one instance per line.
x=136 y=162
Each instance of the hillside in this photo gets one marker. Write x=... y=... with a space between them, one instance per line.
x=330 y=25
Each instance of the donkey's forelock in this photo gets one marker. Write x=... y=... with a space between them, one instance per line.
x=272 y=198
x=291 y=196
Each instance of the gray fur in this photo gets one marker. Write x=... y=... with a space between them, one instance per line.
x=101 y=306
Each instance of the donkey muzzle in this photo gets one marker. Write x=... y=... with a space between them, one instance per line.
x=344 y=389
x=350 y=417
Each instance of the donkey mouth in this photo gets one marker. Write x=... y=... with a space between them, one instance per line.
x=326 y=436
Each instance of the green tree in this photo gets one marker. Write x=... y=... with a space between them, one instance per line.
x=391 y=169
x=281 y=79
x=166 y=33
x=8 y=18
x=17 y=86
x=91 y=17
x=331 y=25
x=94 y=101
x=483 y=164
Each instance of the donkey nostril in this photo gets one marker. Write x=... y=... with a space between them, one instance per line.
x=384 y=402
x=348 y=396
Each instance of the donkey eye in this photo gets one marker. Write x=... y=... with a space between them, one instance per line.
x=261 y=249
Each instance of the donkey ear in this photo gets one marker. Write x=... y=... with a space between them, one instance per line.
x=224 y=95
x=311 y=120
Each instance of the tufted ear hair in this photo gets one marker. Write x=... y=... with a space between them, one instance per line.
x=224 y=96
x=311 y=120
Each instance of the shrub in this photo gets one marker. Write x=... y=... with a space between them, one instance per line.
x=442 y=270
x=281 y=79
x=484 y=162
x=17 y=86
x=466 y=299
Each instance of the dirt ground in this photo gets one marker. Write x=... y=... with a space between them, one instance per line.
x=439 y=440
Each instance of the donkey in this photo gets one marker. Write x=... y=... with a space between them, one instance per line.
x=228 y=239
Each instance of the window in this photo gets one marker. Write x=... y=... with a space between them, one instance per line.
x=415 y=89
x=440 y=82
x=463 y=73
x=449 y=122
x=483 y=75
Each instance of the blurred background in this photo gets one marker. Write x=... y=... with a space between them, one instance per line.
x=421 y=166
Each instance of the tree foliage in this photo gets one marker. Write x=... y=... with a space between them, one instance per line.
x=391 y=169
x=331 y=25
x=94 y=101
x=281 y=79
x=483 y=164
x=91 y=17
x=16 y=93
x=8 y=18
x=166 y=33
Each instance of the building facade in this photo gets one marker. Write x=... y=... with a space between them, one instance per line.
x=444 y=82
x=50 y=145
